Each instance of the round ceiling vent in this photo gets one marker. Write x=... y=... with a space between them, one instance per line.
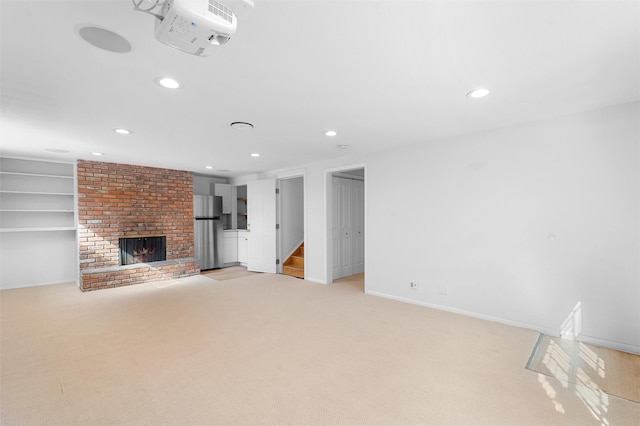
x=241 y=125
x=104 y=39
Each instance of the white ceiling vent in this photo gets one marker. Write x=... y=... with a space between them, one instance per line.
x=221 y=10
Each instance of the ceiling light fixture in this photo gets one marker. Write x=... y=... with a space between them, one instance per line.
x=255 y=154
x=167 y=82
x=98 y=154
x=478 y=93
x=208 y=167
x=330 y=133
x=123 y=131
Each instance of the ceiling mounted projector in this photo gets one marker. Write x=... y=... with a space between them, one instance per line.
x=194 y=26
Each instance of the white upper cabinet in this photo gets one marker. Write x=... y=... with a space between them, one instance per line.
x=223 y=190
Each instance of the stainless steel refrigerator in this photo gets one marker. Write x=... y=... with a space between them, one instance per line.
x=207 y=210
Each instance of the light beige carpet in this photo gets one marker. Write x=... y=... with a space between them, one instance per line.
x=600 y=370
x=269 y=350
x=229 y=273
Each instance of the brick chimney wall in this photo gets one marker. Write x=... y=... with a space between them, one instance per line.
x=119 y=200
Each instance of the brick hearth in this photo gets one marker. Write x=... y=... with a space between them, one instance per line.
x=119 y=200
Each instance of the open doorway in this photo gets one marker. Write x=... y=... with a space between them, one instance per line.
x=290 y=219
x=276 y=221
x=346 y=223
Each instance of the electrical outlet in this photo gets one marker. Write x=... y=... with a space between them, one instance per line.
x=443 y=291
x=414 y=285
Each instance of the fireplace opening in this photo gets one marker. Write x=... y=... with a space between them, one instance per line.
x=143 y=249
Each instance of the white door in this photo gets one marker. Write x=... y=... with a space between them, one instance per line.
x=357 y=214
x=261 y=225
x=348 y=227
x=342 y=229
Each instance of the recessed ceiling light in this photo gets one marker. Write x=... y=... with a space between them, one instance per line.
x=123 y=131
x=103 y=39
x=208 y=167
x=478 y=93
x=241 y=125
x=330 y=133
x=98 y=154
x=255 y=154
x=167 y=82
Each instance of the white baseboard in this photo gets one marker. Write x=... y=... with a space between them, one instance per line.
x=545 y=330
x=13 y=287
x=595 y=341
x=315 y=280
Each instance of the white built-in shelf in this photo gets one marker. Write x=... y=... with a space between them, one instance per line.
x=36 y=211
x=36 y=196
x=241 y=207
x=37 y=193
x=35 y=175
x=42 y=229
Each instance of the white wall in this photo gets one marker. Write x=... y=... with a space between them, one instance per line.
x=38 y=258
x=519 y=224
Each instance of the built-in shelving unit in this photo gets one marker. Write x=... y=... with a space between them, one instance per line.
x=36 y=196
x=242 y=206
x=37 y=222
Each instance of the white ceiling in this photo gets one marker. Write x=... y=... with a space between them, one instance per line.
x=381 y=73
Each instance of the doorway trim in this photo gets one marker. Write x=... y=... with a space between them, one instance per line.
x=328 y=218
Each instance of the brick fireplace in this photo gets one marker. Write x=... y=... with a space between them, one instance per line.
x=119 y=201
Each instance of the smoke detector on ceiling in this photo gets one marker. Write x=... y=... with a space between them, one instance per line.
x=194 y=26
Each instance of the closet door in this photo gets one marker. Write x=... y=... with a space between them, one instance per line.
x=357 y=229
x=342 y=228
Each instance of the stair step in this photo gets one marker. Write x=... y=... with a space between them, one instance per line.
x=294 y=272
x=295 y=261
x=294 y=265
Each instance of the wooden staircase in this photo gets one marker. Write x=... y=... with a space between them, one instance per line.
x=294 y=265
